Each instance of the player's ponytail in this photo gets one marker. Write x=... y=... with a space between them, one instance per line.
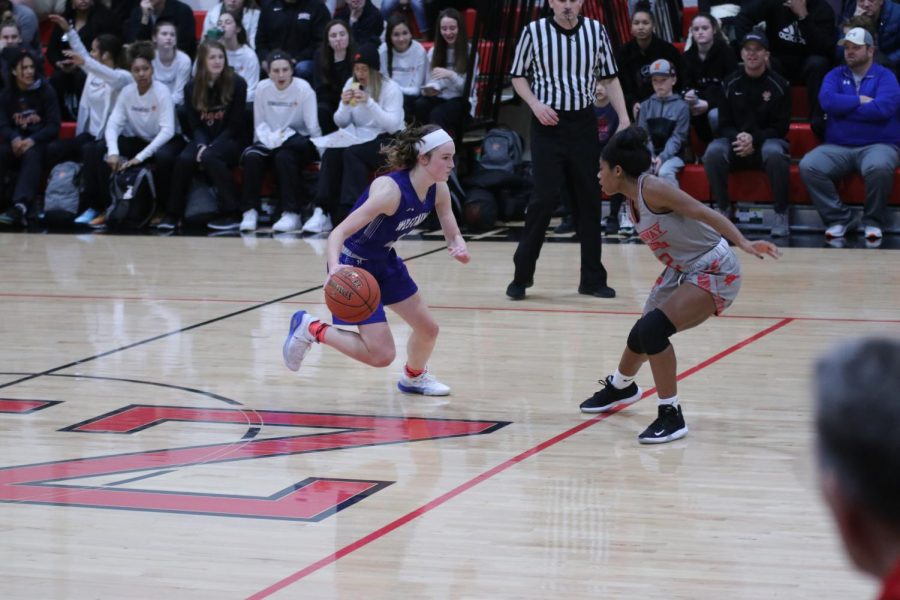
x=403 y=152
x=629 y=150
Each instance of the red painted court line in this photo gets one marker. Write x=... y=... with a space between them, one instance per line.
x=563 y=311
x=381 y=532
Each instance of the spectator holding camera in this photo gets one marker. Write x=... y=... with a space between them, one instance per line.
x=105 y=78
x=370 y=113
x=89 y=18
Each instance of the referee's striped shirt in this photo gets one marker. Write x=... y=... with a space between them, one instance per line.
x=564 y=64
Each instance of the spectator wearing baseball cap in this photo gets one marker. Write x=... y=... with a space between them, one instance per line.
x=667 y=119
x=861 y=100
x=801 y=36
x=370 y=113
x=753 y=125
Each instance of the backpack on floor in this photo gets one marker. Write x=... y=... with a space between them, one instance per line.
x=202 y=203
x=501 y=149
x=133 y=194
x=62 y=194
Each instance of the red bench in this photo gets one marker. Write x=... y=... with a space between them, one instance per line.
x=753 y=186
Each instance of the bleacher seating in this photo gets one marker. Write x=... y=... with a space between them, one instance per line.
x=67 y=130
x=199 y=17
x=744 y=186
x=686 y=17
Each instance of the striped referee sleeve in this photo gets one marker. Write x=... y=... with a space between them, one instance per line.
x=563 y=65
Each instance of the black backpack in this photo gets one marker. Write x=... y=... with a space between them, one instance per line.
x=133 y=195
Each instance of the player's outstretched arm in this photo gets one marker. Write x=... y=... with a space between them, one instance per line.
x=384 y=199
x=444 y=209
x=661 y=196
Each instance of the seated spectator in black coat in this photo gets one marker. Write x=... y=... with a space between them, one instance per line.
x=365 y=21
x=295 y=27
x=634 y=58
x=753 y=123
x=29 y=121
x=802 y=39
x=333 y=68
x=90 y=18
x=141 y=23
x=216 y=103
x=704 y=67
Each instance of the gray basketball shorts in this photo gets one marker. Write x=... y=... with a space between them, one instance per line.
x=717 y=272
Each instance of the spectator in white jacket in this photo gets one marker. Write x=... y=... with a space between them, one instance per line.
x=370 y=113
x=285 y=117
x=171 y=66
x=241 y=57
x=140 y=128
x=249 y=18
x=105 y=79
x=404 y=60
x=443 y=100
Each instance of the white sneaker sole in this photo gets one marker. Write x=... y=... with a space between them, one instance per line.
x=616 y=404
x=406 y=389
x=669 y=438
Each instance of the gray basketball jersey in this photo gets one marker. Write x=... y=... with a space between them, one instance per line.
x=676 y=240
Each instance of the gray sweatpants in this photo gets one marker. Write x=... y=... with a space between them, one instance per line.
x=829 y=163
x=720 y=159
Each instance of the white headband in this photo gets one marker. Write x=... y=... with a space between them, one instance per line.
x=433 y=140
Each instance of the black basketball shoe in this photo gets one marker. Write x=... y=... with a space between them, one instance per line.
x=668 y=426
x=610 y=397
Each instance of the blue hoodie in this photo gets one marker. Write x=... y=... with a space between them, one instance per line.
x=851 y=123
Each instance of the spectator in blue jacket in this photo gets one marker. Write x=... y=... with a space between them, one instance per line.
x=886 y=16
x=862 y=134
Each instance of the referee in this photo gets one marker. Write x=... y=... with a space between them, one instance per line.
x=563 y=56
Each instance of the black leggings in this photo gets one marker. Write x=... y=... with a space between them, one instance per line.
x=217 y=160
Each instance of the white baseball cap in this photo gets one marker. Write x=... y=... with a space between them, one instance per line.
x=858 y=36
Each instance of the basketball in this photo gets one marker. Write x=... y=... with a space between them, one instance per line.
x=352 y=294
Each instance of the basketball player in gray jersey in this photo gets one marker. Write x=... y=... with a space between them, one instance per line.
x=701 y=278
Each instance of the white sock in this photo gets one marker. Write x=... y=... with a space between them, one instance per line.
x=620 y=382
x=673 y=401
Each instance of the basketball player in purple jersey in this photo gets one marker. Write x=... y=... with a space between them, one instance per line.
x=701 y=278
x=394 y=204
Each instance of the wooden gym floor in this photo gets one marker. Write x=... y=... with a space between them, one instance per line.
x=155 y=447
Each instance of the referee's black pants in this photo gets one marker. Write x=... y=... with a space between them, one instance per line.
x=564 y=154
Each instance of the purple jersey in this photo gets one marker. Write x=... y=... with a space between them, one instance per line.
x=375 y=240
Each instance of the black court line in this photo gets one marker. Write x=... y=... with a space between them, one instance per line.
x=184 y=329
x=141 y=477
